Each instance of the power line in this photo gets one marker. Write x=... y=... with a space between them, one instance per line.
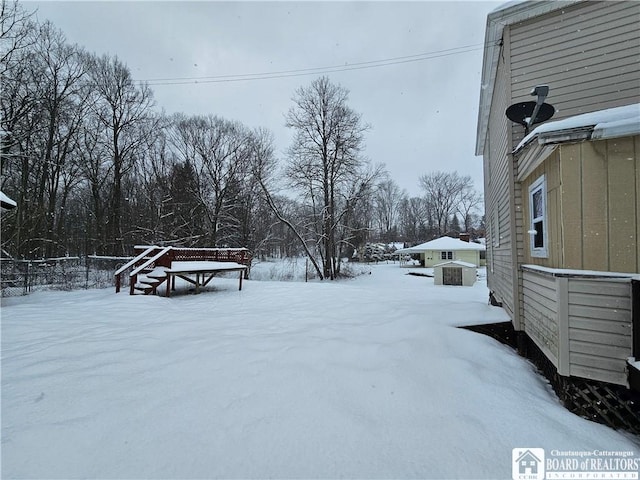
x=314 y=71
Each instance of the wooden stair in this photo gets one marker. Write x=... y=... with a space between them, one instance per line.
x=148 y=281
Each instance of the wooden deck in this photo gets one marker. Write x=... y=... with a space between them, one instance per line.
x=154 y=265
x=200 y=273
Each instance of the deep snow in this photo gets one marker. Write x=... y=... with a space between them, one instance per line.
x=363 y=378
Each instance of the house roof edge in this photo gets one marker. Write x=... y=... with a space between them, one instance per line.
x=497 y=20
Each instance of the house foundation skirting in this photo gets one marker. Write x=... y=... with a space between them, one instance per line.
x=613 y=405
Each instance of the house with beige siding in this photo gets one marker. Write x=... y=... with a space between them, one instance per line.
x=444 y=249
x=562 y=198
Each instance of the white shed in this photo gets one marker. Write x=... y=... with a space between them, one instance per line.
x=455 y=273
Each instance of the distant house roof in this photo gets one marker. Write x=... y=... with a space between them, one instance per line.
x=443 y=244
x=6 y=202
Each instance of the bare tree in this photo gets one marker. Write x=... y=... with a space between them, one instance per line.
x=468 y=203
x=43 y=104
x=123 y=109
x=63 y=107
x=443 y=191
x=324 y=161
x=19 y=96
x=95 y=165
x=218 y=150
x=263 y=169
x=388 y=198
x=15 y=26
x=17 y=34
x=355 y=210
x=414 y=219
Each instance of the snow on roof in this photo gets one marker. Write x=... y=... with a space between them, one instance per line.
x=456 y=262
x=443 y=243
x=609 y=123
x=6 y=202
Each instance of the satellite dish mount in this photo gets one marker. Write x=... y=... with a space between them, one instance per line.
x=529 y=113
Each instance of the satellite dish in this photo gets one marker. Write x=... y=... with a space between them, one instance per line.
x=521 y=113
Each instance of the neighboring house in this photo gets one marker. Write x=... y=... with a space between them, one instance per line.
x=563 y=204
x=444 y=249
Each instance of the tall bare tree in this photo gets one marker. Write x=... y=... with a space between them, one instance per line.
x=443 y=191
x=468 y=204
x=63 y=107
x=414 y=219
x=15 y=26
x=388 y=198
x=325 y=163
x=123 y=109
x=263 y=170
x=43 y=103
x=218 y=150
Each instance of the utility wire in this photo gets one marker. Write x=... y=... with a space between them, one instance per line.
x=314 y=71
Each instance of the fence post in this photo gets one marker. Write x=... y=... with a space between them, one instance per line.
x=25 y=289
x=86 y=274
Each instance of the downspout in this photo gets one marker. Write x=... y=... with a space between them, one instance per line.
x=515 y=200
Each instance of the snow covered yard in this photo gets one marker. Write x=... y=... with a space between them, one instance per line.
x=364 y=378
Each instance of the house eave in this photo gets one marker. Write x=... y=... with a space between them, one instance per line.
x=496 y=22
x=538 y=148
x=532 y=158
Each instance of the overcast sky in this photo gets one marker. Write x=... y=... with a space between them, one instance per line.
x=421 y=99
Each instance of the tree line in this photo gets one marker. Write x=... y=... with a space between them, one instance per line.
x=96 y=168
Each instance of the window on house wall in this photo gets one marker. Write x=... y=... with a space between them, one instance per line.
x=446 y=255
x=538 y=215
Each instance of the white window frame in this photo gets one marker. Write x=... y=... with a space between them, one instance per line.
x=446 y=255
x=538 y=251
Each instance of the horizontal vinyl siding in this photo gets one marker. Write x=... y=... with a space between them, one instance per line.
x=540 y=312
x=600 y=329
x=587 y=53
